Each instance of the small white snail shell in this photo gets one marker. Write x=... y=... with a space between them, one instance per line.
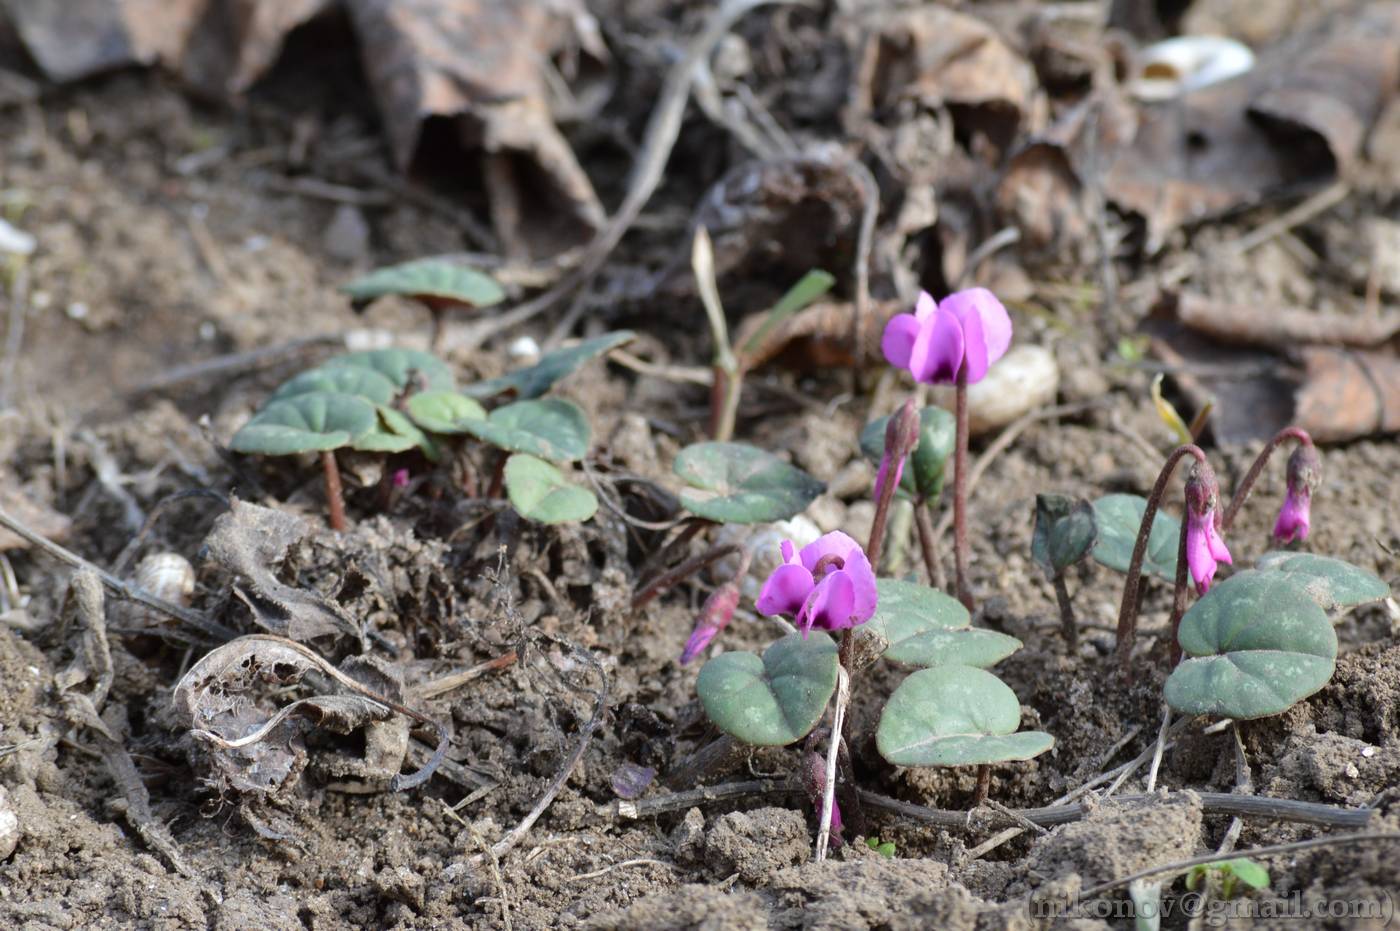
x=166 y=575
x=1186 y=63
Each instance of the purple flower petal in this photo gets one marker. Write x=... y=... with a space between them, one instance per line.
x=898 y=341
x=994 y=322
x=787 y=549
x=975 y=355
x=835 y=543
x=1217 y=544
x=862 y=576
x=938 y=349
x=925 y=306
x=786 y=590
x=1294 y=522
x=1205 y=550
x=830 y=605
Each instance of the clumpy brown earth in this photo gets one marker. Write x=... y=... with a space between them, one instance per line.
x=146 y=264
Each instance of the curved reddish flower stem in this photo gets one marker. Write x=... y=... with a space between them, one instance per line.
x=1250 y=477
x=960 y=493
x=1128 y=610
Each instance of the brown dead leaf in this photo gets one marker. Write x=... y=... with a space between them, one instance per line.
x=250 y=540
x=816 y=337
x=1282 y=327
x=1347 y=394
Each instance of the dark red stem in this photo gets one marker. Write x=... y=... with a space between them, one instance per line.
x=1178 y=594
x=684 y=571
x=1250 y=477
x=928 y=545
x=1128 y=610
x=1068 y=626
x=984 y=785
x=960 y=493
x=335 y=500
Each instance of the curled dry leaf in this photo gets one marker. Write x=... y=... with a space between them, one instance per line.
x=249 y=541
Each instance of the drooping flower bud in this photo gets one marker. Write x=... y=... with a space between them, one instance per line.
x=1304 y=475
x=1204 y=547
x=716 y=612
x=901 y=439
x=813 y=777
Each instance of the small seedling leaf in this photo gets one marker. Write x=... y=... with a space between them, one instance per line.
x=1118 y=518
x=1254 y=875
x=1256 y=644
x=537 y=379
x=540 y=492
x=1332 y=583
x=925 y=627
x=1065 y=532
x=394 y=433
x=361 y=382
x=955 y=716
x=312 y=422
x=808 y=288
x=443 y=411
x=397 y=365
x=775 y=700
x=738 y=484
x=550 y=428
x=923 y=474
x=430 y=279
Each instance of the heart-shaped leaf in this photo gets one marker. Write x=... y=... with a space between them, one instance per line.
x=361 y=382
x=394 y=433
x=537 y=379
x=1065 y=532
x=550 y=428
x=1255 y=644
x=1332 y=583
x=925 y=627
x=1118 y=518
x=397 y=365
x=443 y=411
x=738 y=484
x=427 y=278
x=955 y=716
x=923 y=475
x=312 y=422
x=540 y=492
x=773 y=701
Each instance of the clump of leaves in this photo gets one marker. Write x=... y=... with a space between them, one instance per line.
x=1065 y=533
x=884 y=849
x=437 y=284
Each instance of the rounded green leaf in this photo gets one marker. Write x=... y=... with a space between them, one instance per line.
x=1065 y=532
x=397 y=364
x=955 y=716
x=306 y=423
x=537 y=379
x=773 y=701
x=1255 y=644
x=735 y=483
x=540 y=492
x=361 y=382
x=428 y=278
x=923 y=475
x=925 y=627
x=394 y=433
x=550 y=428
x=1332 y=583
x=443 y=411
x=1118 y=518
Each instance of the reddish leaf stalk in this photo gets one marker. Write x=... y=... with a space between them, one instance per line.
x=1128 y=609
x=1250 y=477
x=960 y=493
x=335 y=500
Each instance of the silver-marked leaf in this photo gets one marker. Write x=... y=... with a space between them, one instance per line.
x=398 y=365
x=432 y=279
x=1065 y=532
x=443 y=411
x=955 y=716
x=1255 y=644
x=550 y=428
x=535 y=380
x=925 y=627
x=1118 y=518
x=923 y=474
x=739 y=484
x=775 y=700
x=312 y=422
x=1332 y=583
x=361 y=382
x=540 y=492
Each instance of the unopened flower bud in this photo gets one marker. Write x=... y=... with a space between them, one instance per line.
x=1304 y=475
x=1205 y=549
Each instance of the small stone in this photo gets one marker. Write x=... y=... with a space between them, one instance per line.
x=15 y=241
x=347 y=235
x=9 y=826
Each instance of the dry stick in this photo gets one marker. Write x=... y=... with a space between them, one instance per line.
x=1159 y=747
x=226 y=366
x=661 y=133
x=1250 y=477
x=1128 y=610
x=682 y=572
x=1271 y=850
x=960 y=494
x=984 y=784
x=128 y=590
x=335 y=501
x=458 y=679
x=928 y=545
x=838 y=720
x=1244 y=784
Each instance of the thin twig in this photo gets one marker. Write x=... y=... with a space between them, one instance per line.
x=682 y=572
x=1159 y=748
x=458 y=679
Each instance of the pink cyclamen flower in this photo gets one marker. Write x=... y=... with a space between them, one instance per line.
x=1205 y=549
x=1304 y=475
x=828 y=585
x=967 y=328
